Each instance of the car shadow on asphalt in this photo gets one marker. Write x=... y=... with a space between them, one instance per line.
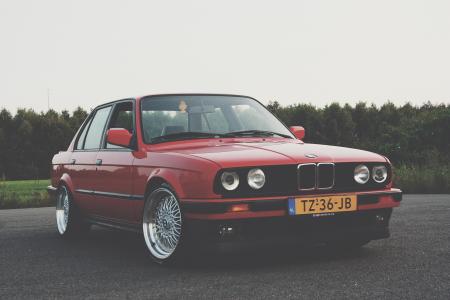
x=269 y=255
x=130 y=246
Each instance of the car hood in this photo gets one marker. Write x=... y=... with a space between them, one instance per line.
x=242 y=154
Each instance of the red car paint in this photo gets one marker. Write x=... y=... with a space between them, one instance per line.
x=190 y=168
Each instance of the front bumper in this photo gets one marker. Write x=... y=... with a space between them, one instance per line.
x=360 y=225
x=220 y=209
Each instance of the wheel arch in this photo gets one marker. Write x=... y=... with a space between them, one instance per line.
x=67 y=181
x=161 y=176
x=152 y=184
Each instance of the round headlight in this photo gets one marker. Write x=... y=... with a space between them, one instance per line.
x=379 y=173
x=362 y=174
x=230 y=180
x=256 y=178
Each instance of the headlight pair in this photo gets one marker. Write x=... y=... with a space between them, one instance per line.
x=255 y=179
x=362 y=174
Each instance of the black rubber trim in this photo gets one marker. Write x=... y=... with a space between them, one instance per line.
x=375 y=198
x=111 y=195
x=81 y=191
x=368 y=199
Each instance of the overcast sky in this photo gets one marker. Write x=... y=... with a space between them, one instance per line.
x=90 y=52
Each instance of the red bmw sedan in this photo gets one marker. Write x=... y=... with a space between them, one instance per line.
x=189 y=169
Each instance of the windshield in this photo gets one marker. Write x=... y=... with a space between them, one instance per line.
x=175 y=117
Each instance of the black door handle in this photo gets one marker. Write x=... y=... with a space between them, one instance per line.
x=73 y=161
x=98 y=162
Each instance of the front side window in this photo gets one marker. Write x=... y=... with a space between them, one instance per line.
x=96 y=128
x=122 y=117
x=172 y=117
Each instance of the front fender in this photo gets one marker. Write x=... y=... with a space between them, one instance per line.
x=186 y=184
x=172 y=177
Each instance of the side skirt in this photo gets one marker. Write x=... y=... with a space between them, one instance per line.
x=105 y=222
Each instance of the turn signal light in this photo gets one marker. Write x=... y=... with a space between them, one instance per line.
x=239 y=207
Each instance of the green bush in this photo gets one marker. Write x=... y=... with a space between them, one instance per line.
x=426 y=179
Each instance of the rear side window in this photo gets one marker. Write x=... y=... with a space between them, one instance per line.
x=82 y=137
x=96 y=128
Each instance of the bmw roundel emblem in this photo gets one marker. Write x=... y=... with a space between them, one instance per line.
x=311 y=155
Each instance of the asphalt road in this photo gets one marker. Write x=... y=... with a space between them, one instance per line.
x=414 y=263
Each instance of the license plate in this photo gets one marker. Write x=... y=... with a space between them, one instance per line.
x=322 y=205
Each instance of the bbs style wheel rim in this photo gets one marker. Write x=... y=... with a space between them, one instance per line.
x=162 y=223
x=62 y=210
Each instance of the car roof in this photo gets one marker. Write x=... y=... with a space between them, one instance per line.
x=194 y=94
x=169 y=94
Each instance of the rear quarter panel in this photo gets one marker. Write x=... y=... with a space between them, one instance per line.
x=58 y=168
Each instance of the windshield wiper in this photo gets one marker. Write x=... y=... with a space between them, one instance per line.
x=186 y=135
x=257 y=133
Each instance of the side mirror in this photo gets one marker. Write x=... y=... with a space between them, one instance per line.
x=119 y=137
x=298 y=131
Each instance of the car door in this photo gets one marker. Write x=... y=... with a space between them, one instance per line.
x=114 y=176
x=82 y=167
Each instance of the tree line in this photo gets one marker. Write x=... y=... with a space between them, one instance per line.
x=28 y=140
x=408 y=135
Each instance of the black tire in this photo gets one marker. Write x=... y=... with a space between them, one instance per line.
x=161 y=251
x=69 y=220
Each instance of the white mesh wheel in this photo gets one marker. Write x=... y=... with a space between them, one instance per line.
x=162 y=223
x=62 y=209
